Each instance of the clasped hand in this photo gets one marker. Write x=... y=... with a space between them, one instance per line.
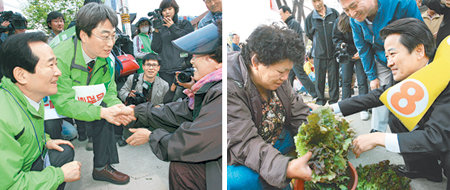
x=118 y=114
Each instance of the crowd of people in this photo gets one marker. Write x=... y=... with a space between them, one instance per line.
x=79 y=71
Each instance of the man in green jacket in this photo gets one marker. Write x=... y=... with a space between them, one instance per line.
x=29 y=158
x=86 y=88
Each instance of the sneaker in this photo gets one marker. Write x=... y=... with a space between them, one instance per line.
x=89 y=145
x=364 y=115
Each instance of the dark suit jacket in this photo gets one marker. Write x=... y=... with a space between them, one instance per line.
x=432 y=134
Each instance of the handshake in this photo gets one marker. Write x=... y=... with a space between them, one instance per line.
x=118 y=114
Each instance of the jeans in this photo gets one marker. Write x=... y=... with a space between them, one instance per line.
x=242 y=177
x=380 y=114
x=347 y=76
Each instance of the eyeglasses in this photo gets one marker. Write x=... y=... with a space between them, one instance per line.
x=107 y=38
x=151 y=65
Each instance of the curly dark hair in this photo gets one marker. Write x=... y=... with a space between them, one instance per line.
x=272 y=44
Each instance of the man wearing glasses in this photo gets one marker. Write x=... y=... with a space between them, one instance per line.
x=86 y=89
x=148 y=85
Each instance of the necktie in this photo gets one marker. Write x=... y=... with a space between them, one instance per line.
x=91 y=65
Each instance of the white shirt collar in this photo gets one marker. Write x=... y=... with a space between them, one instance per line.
x=87 y=59
x=33 y=103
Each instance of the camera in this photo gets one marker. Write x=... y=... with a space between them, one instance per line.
x=342 y=55
x=17 y=21
x=139 y=99
x=186 y=75
x=156 y=18
x=6 y=16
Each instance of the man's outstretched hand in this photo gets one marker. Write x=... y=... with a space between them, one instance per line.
x=118 y=114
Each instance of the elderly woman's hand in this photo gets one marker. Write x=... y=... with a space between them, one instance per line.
x=313 y=106
x=299 y=169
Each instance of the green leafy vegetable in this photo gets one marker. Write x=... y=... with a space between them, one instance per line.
x=329 y=139
x=381 y=176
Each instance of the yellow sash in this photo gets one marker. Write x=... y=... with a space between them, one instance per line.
x=410 y=99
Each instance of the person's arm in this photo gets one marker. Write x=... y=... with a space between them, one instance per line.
x=359 y=103
x=137 y=43
x=337 y=36
x=12 y=175
x=64 y=99
x=179 y=30
x=169 y=116
x=126 y=88
x=308 y=28
x=157 y=42
x=196 y=141
x=365 y=51
x=246 y=147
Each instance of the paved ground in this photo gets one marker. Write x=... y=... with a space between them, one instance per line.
x=146 y=171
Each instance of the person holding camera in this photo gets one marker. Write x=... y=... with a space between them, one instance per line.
x=142 y=42
x=169 y=28
x=147 y=86
x=348 y=57
x=189 y=133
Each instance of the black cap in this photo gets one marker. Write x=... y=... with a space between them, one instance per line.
x=202 y=41
x=142 y=20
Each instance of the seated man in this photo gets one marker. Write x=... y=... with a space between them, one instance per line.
x=145 y=86
x=189 y=133
x=419 y=102
x=29 y=158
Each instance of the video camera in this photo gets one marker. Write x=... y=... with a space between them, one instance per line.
x=16 y=20
x=156 y=18
x=342 y=55
x=6 y=16
x=186 y=75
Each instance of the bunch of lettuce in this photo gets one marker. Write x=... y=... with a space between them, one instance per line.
x=328 y=138
x=381 y=176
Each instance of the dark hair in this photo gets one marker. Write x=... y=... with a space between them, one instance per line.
x=16 y=52
x=91 y=15
x=169 y=3
x=413 y=32
x=344 y=23
x=54 y=15
x=152 y=56
x=271 y=44
x=286 y=8
x=217 y=54
x=92 y=1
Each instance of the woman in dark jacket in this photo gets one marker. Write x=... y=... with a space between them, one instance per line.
x=172 y=59
x=189 y=133
x=263 y=112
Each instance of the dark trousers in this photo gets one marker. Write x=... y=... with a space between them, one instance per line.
x=104 y=143
x=321 y=67
x=53 y=128
x=348 y=69
x=297 y=70
x=187 y=176
x=57 y=159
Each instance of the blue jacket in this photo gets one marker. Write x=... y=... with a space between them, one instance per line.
x=369 y=44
